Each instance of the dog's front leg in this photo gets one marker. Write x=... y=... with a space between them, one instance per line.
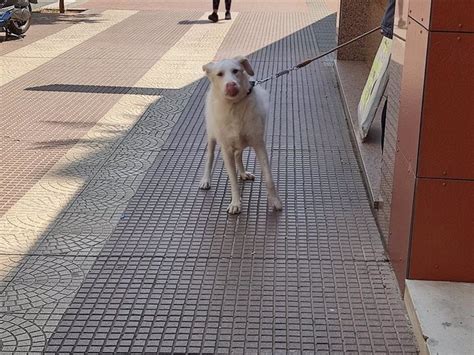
x=206 y=179
x=229 y=162
x=244 y=175
x=262 y=157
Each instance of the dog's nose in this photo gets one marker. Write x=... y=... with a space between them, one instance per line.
x=231 y=88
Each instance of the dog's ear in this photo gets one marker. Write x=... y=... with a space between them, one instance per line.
x=244 y=62
x=207 y=67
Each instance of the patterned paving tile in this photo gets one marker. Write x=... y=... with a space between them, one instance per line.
x=224 y=304
x=180 y=275
x=18 y=335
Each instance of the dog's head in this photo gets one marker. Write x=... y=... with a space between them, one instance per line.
x=229 y=77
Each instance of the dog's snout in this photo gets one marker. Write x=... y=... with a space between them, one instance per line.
x=231 y=88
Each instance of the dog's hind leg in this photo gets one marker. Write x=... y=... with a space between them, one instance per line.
x=229 y=161
x=244 y=175
x=262 y=157
x=206 y=179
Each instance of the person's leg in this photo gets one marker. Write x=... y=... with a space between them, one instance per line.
x=401 y=22
x=227 y=9
x=215 y=6
x=384 y=120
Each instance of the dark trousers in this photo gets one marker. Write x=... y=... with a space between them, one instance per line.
x=215 y=4
x=384 y=120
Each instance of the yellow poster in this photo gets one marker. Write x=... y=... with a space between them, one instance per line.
x=374 y=88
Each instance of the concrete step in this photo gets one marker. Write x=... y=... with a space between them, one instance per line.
x=442 y=315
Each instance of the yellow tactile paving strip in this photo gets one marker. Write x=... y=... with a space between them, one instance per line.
x=21 y=61
x=182 y=65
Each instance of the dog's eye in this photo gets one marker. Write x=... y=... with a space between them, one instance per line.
x=235 y=71
x=220 y=74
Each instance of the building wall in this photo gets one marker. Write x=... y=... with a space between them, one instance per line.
x=433 y=189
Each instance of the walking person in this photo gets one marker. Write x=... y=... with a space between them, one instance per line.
x=215 y=7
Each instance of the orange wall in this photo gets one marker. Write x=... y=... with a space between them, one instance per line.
x=432 y=218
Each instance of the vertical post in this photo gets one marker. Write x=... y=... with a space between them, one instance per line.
x=351 y=23
x=62 y=9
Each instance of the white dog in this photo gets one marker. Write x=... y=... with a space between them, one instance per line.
x=235 y=117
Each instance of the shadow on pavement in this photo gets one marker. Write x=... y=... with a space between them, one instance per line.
x=193 y=22
x=98 y=89
x=40 y=19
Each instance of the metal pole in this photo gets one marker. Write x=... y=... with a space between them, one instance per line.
x=62 y=10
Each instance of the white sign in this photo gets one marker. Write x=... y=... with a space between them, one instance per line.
x=374 y=88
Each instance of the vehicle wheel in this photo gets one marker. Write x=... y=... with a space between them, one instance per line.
x=20 y=27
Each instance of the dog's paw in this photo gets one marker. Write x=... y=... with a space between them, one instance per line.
x=205 y=184
x=247 y=176
x=234 y=208
x=275 y=202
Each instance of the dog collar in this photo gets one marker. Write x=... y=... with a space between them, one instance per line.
x=252 y=84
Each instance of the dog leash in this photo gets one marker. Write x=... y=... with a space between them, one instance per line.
x=308 y=61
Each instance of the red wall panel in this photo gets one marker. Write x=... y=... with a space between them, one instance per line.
x=412 y=89
x=442 y=246
x=432 y=215
x=444 y=15
x=452 y=15
x=447 y=130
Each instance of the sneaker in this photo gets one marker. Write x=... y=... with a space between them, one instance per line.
x=213 y=17
x=402 y=24
x=227 y=15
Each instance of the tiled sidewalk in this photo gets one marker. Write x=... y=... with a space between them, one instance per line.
x=111 y=247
